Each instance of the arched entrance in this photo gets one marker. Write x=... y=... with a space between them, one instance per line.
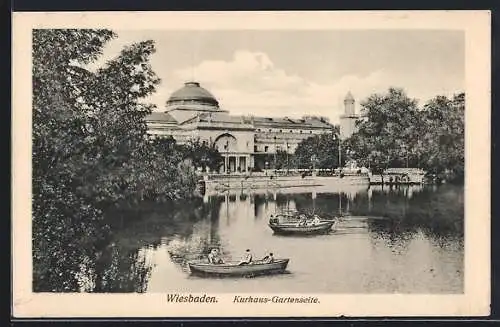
x=227 y=145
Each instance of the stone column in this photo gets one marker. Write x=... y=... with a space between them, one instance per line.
x=233 y=169
x=248 y=162
x=243 y=163
x=237 y=163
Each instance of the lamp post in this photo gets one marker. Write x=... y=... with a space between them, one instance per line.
x=204 y=161
x=405 y=149
x=287 y=164
x=313 y=160
x=227 y=157
x=340 y=153
x=348 y=153
x=275 y=152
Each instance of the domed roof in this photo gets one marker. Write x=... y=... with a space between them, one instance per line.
x=192 y=92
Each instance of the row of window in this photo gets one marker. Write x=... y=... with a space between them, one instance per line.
x=266 y=148
x=281 y=131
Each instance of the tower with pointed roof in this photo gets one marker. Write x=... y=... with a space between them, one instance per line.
x=349 y=104
x=348 y=119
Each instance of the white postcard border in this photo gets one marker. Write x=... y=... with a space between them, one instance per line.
x=476 y=298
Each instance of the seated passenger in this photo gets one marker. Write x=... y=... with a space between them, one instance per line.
x=273 y=220
x=302 y=220
x=247 y=258
x=268 y=258
x=214 y=257
x=316 y=220
x=218 y=259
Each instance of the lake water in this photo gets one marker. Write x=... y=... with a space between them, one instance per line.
x=392 y=240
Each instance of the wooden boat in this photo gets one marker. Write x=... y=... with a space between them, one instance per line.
x=292 y=228
x=233 y=269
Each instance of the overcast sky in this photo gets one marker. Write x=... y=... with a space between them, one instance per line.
x=292 y=73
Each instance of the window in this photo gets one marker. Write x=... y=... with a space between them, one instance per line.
x=291 y=131
x=300 y=132
x=270 y=130
x=255 y=148
x=281 y=131
x=310 y=132
x=266 y=148
x=258 y=129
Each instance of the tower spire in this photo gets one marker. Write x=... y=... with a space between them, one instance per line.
x=349 y=104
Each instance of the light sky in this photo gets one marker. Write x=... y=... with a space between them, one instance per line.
x=295 y=73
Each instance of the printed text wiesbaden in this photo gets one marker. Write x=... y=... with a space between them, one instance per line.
x=191 y=298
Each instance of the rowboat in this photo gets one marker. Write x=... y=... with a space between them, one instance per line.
x=293 y=228
x=233 y=269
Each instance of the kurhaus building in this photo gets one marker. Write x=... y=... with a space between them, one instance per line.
x=245 y=142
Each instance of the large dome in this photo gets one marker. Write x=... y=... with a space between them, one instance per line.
x=192 y=93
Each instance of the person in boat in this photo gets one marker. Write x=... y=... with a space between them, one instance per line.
x=273 y=220
x=214 y=258
x=247 y=258
x=268 y=258
x=302 y=220
x=316 y=220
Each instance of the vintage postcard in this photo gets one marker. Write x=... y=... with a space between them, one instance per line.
x=251 y=164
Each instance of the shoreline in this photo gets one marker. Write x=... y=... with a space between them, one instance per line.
x=220 y=183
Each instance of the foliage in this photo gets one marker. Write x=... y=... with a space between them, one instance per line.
x=284 y=160
x=443 y=136
x=90 y=150
x=280 y=160
x=322 y=150
x=397 y=133
x=389 y=132
x=203 y=155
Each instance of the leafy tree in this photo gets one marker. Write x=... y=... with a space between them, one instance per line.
x=397 y=133
x=323 y=149
x=63 y=221
x=284 y=160
x=443 y=139
x=387 y=135
x=90 y=150
x=202 y=154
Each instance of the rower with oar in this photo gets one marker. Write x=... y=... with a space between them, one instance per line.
x=214 y=258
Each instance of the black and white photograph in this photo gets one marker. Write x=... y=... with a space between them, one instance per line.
x=254 y=167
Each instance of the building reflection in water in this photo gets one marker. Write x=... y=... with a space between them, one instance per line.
x=394 y=222
x=346 y=201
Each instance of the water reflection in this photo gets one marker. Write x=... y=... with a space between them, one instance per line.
x=390 y=239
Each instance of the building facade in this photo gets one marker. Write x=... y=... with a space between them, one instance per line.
x=349 y=118
x=245 y=142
